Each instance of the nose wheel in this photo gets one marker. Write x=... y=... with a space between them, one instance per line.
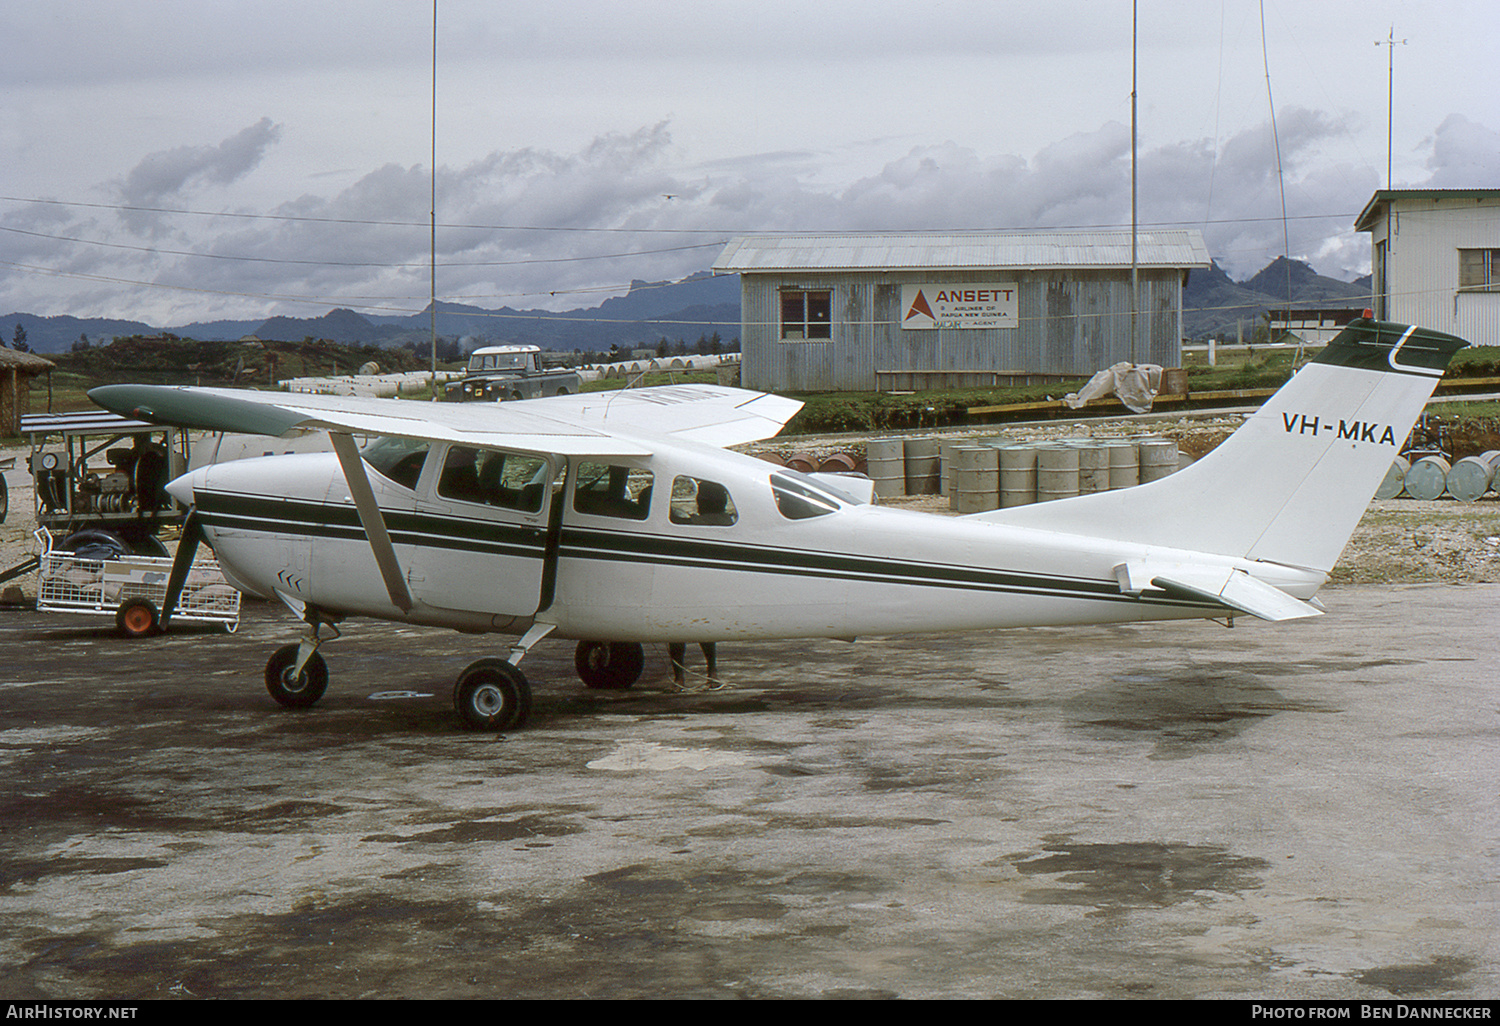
x=293 y=687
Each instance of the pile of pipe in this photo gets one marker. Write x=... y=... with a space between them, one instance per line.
x=1432 y=477
x=381 y=386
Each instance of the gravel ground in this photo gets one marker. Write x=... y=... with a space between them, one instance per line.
x=1398 y=541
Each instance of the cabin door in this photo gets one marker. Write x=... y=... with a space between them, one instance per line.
x=480 y=532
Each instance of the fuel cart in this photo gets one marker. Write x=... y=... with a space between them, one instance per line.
x=101 y=505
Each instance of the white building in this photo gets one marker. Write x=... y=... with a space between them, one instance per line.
x=1435 y=259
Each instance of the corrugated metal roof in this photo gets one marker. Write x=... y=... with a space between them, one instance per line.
x=977 y=250
x=83 y=422
x=1370 y=215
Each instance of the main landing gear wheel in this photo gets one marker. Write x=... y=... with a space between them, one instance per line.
x=492 y=695
x=136 y=618
x=610 y=665
x=300 y=691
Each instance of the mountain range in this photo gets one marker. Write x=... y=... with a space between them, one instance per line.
x=1213 y=304
x=701 y=304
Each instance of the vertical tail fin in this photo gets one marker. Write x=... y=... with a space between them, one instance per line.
x=1291 y=484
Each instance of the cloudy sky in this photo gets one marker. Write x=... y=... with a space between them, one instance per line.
x=173 y=161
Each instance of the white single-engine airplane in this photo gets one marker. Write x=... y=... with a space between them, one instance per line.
x=616 y=518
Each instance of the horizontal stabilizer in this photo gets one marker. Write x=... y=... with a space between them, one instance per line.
x=1243 y=593
x=1222 y=585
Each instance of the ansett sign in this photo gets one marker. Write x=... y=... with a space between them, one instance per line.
x=963 y=305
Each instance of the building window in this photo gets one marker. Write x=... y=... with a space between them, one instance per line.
x=806 y=315
x=1478 y=268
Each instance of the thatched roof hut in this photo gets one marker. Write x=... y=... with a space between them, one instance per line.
x=16 y=371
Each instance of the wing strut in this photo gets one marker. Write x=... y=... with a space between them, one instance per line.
x=371 y=519
x=187 y=548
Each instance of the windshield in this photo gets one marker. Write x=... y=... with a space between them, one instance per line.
x=799 y=497
x=499 y=361
x=399 y=459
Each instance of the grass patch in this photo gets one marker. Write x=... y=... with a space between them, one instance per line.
x=838 y=412
x=1254 y=370
x=1476 y=361
x=1484 y=410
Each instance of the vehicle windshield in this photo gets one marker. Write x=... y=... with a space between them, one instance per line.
x=499 y=361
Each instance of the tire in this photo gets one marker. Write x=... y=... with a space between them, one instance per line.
x=609 y=665
x=4 y=500
x=148 y=545
x=304 y=690
x=94 y=543
x=137 y=618
x=492 y=695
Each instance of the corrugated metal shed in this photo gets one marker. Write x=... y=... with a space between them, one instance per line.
x=1071 y=315
x=1019 y=250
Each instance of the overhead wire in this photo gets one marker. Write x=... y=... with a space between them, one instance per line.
x=720 y=230
x=391 y=304
x=352 y=263
x=309 y=218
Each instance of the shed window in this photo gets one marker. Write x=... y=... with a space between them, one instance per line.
x=806 y=315
x=1478 y=268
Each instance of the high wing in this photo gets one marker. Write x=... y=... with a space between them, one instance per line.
x=562 y=425
x=711 y=414
x=574 y=425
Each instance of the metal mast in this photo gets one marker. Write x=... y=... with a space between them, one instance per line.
x=1135 y=270
x=1390 y=95
x=432 y=238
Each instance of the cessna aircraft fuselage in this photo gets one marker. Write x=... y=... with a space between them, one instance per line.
x=618 y=550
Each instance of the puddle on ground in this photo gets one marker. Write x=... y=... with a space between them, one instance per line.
x=1441 y=973
x=1117 y=877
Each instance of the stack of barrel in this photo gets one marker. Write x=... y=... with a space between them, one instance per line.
x=994 y=473
x=904 y=466
x=1432 y=477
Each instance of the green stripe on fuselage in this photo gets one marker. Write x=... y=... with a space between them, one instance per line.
x=330 y=520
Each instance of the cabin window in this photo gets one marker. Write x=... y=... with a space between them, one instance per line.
x=509 y=480
x=806 y=315
x=399 y=459
x=701 y=503
x=800 y=498
x=613 y=491
x=1478 y=268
